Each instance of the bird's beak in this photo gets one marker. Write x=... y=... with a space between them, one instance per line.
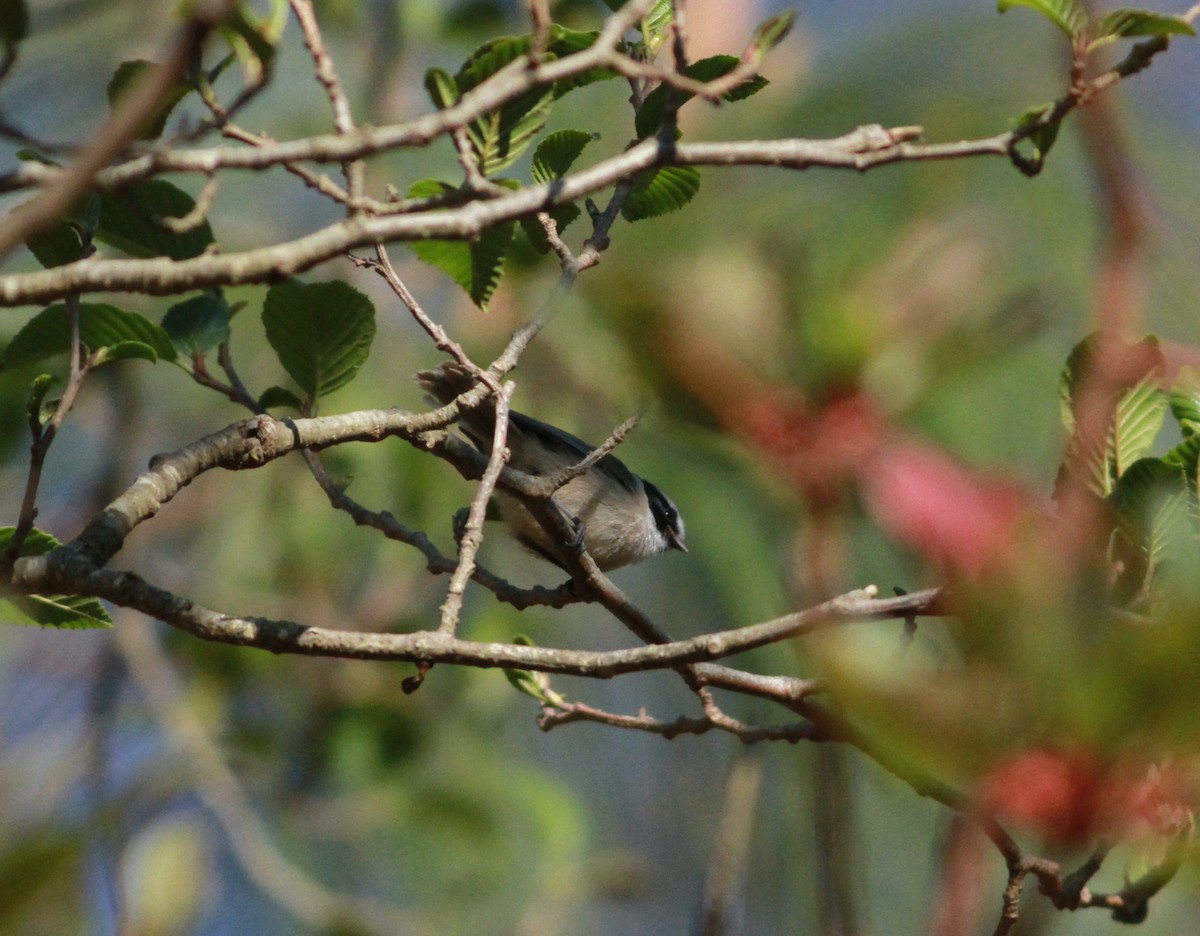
x=675 y=541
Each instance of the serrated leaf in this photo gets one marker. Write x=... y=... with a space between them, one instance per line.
x=556 y=154
x=279 y=396
x=650 y=114
x=100 y=326
x=1067 y=15
x=655 y=24
x=38 y=389
x=1125 y=24
x=198 y=324
x=771 y=32
x=127 y=76
x=1185 y=399
x=442 y=90
x=1151 y=499
x=499 y=138
x=126 y=351
x=475 y=265
x=660 y=191
x=322 y=332
x=1137 y=418
x=61 y=611
x=129 y=221
x=1186 y=454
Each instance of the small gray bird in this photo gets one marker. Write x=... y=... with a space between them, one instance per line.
x=623 y=518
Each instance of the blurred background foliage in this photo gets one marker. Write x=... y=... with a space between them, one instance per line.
x=953 y=291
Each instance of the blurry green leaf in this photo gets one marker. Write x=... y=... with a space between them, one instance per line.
x=1067 y=15
x=771 y=32
x=1138 y=415
x=556 y=154
x=127 y=76
x=526 y=682
x=1186 y=454
x=126 y=351
x=1123 y=24
x=279 y=396
x=322 y=332
x=1151 y=500
x=475 y=265
x=1139 y=418
x=1040 y=137
x=33 y=403
x=61 y=611
x=197 y=324
x=57 y=244
x=62 y=242
x=100 y=326
x=1185 y=398
x=443 y=92
x=655 y=25
x=130 y=221
x=650 y=114
x=660 y=191
x=254 y=38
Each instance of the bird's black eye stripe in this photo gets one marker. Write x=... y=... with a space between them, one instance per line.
x=665 y=514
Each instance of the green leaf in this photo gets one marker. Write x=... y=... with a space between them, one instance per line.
x=1067 y=15
x=1151 y=500
x=33 y=403
x=254 y=38
x=100 y=326
x=62 y=242
x=1185 y=398
x=655 y=25
x=650 y=115
x=322 y=332
x=475 y=265
x=1139 y=418
x=556 y=154
x=126 y=351
x=660 y=191
x=127 y=76
x=57 y=244
x=441 y=88
x=198 y=324
x=279 y=396
x=771 y=32
x=1138 y=414
x=1041 y=136
x=62 y=611
x=1124 y=24
x=129 y=221
x=1186 y=454
x=499 y=138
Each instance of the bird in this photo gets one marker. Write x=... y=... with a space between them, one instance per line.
x=621 y=517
